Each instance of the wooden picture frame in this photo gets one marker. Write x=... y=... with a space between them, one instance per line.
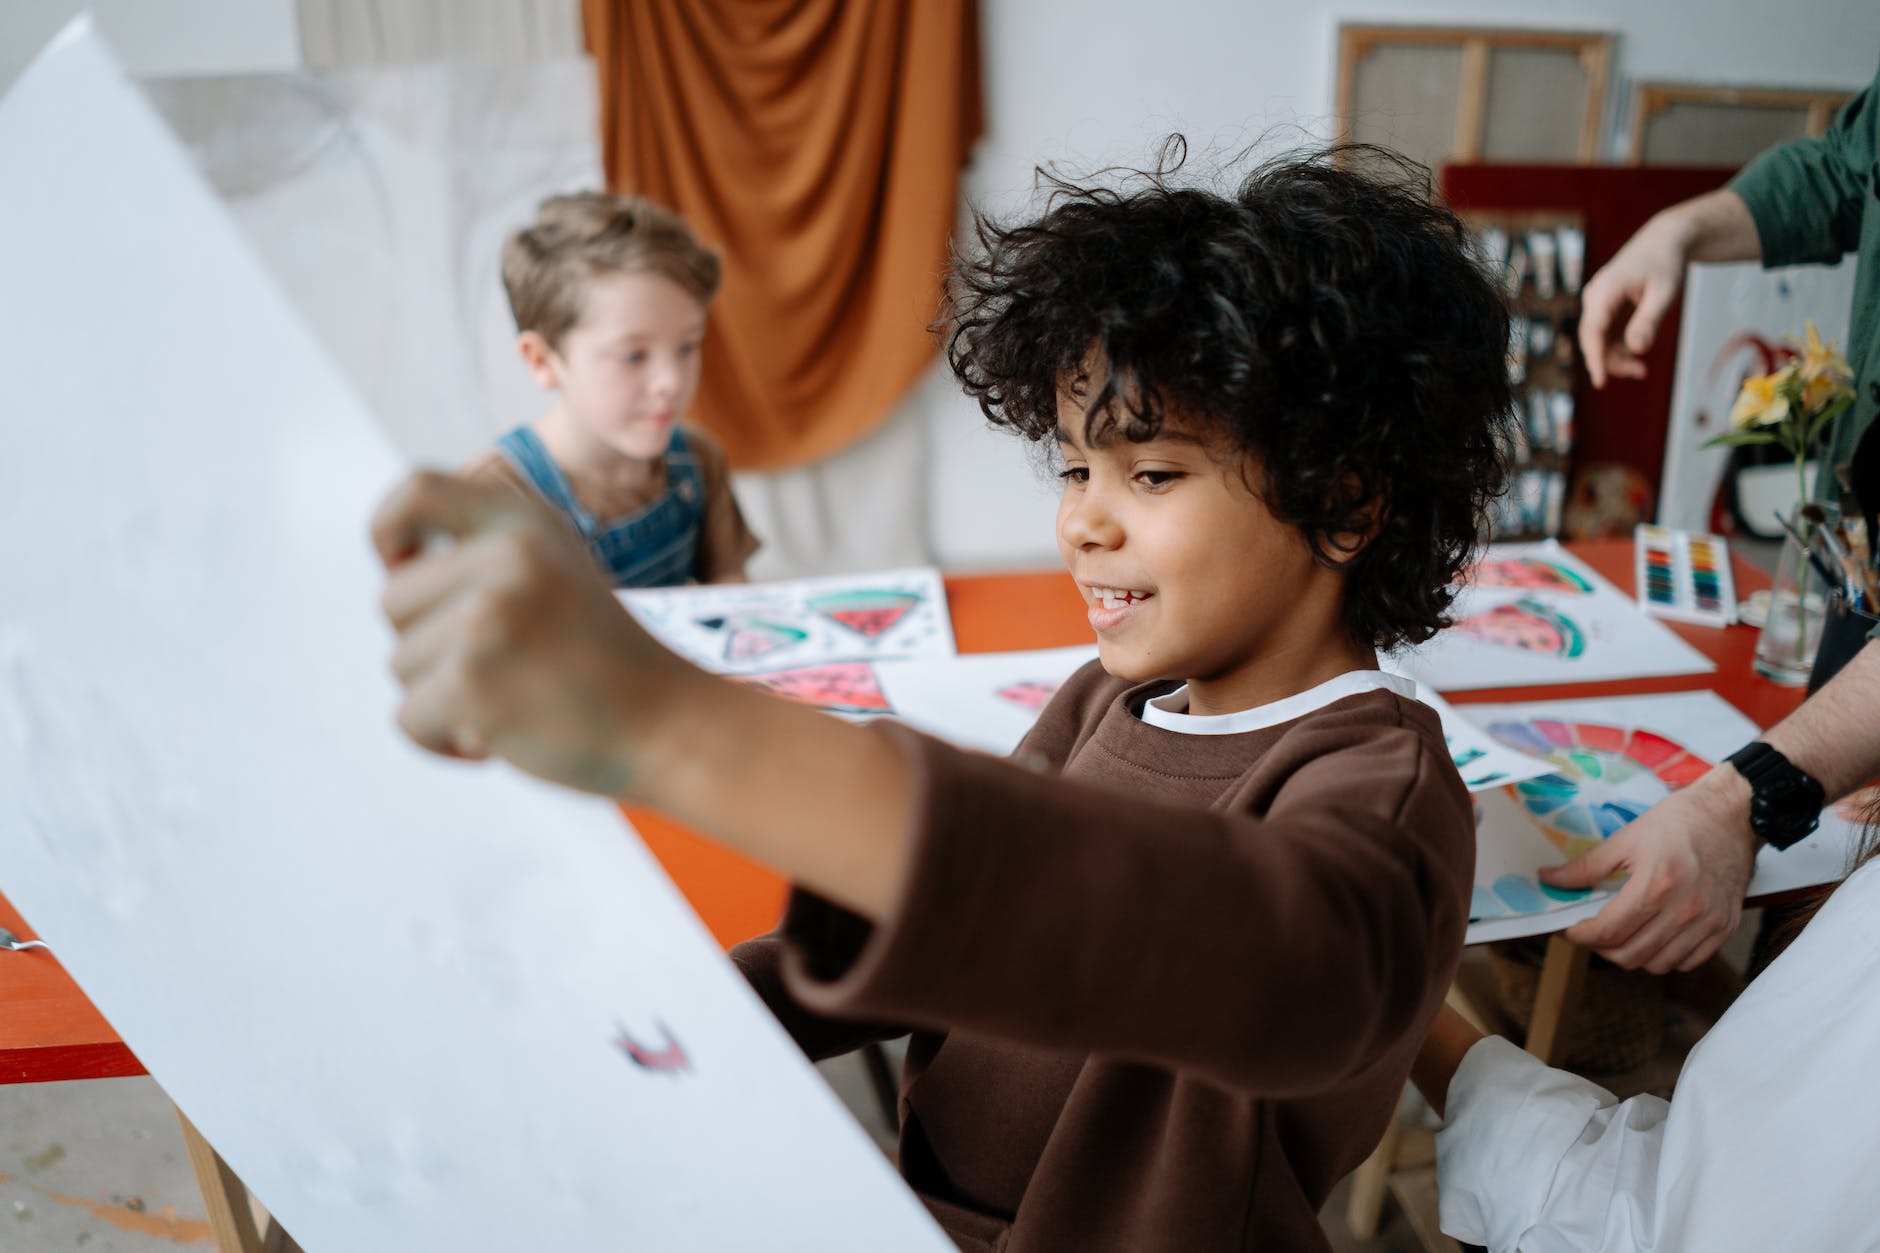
x=1478 y=47
x=1650 y=99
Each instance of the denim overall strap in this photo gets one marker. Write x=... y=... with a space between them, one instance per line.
x=529 y=455
x=658 y=546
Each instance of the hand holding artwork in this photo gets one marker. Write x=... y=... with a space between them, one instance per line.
x=510 y=644
x=1689 y=858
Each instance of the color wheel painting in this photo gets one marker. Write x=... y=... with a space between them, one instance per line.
x=869 y=613
x=1605 y=776
x=1528 y=625
x=1529 y=574
x=846 y=687
x=1608 y=760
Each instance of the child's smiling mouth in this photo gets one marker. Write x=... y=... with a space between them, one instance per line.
x=1110 y=607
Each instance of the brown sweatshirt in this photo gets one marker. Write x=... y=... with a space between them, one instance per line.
x=1164 y=988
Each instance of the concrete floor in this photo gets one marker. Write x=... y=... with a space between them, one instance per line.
x=99 y=1165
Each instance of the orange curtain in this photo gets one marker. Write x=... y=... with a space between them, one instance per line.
x=817 y=144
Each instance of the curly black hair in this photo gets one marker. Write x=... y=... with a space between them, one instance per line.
x=1327 y=316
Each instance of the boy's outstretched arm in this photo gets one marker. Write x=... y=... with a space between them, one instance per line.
x=511 y=645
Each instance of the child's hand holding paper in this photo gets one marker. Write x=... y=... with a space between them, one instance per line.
x=509 y=644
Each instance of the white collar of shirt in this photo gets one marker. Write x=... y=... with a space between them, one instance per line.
x=1157 y=714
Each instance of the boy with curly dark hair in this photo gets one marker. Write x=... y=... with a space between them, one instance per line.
x=1165 y=976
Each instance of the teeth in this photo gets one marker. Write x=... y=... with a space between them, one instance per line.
x=1116 y=597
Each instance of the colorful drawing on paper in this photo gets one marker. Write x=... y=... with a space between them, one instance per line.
x=1529 y=574
x=1527 y=625
x=1466 y=759
x=844 y=687
x=1029 y=694
x=870 y=613
x=748 y=636
x=669 y=1058
x=1606 y=776
x=1520 y=894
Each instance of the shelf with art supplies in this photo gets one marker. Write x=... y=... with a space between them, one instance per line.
x=1539 y=258
x=1826 y=560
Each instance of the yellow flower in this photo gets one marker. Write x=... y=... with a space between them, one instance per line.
x=1822 y=361
x=1763 y=400
x=1824 y=373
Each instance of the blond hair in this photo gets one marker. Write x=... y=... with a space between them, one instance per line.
x=548 y=264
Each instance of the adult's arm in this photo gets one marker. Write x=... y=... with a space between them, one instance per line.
x=1798 y=202
x=1541 y=1160
x=1625 y=302
x=1806 y=197
x=1690 y=856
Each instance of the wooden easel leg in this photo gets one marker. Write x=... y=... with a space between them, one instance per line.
x=231 y=1217
x=277 y=1240
x=882 y=1082
x=1562 y=972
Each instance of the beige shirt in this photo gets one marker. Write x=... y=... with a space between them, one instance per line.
x=725 y=543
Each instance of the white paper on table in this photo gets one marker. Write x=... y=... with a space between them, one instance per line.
x=985 y=701
x=1483 y=761
x=1614 y=755
x=1534 y=614
x=402 y=997
x=816 y=641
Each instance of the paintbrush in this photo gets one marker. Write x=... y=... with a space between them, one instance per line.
x=1814 y=558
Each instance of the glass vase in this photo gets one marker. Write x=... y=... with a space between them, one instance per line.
x=1798 y=601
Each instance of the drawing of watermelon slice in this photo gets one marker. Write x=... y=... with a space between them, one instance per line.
x=747 y=637
x=844 y=687
x=867 y=612
x=1529 y=572
x=1030 y=693
x=1528 y=625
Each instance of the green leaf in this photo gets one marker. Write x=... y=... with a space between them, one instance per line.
x=1738 y=439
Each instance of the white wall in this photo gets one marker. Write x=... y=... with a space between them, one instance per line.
x=1092 y=82
x=1100 y=81
x=162 y=36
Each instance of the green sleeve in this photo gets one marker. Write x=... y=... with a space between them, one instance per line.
x=1806 y=195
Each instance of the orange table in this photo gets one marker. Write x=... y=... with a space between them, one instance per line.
x=48 y=1030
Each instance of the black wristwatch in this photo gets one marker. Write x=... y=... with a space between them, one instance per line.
x=1787 y=802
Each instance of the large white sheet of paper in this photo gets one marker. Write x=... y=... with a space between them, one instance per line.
x=1533 y=614
x=1612 y=758
x=416 y=1005
x=1484 y=762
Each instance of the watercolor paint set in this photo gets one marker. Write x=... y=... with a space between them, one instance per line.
x=1684 y=575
